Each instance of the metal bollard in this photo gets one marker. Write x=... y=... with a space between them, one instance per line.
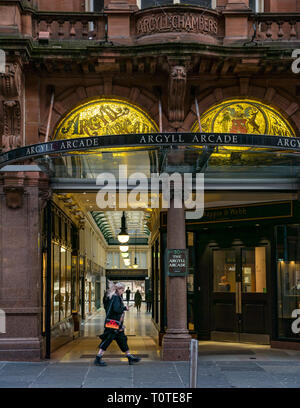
x=193 y=363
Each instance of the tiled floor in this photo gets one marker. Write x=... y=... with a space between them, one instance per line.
x=138 y=327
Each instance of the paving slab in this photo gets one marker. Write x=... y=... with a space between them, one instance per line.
x=102 y=383
x=15 y=385
x=18 y=378
x=288 y=380
x=159 y=385
x=250 y=379
x=212 y=381
x=239 y=366
x=42 y=386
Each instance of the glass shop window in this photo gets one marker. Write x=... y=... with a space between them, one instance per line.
x=56 y=291
x=142 y=259
x=62 y=303
x=68 y=283
x=288 y=280
x=190 y=279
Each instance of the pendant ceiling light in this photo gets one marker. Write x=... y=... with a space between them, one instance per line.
x=135 y=265
x=124 y=248
x=123 y=237
x=125 y=254
x=127 y=261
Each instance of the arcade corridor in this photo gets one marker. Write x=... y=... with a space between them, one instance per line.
x=138 y=327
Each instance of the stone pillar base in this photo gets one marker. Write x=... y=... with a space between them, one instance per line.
x=176 y=346
x=18 y=349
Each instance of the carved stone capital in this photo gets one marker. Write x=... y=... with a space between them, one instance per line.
x=14 y=196
x=10 y=81
x=177 y=92
x=11 y=138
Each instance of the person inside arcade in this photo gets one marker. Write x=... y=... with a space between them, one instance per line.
x=115 y=310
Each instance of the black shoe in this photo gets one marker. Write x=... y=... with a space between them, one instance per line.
x=132 y=359
x=98 y=361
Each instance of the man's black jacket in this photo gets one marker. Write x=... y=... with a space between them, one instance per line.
x=115 y=307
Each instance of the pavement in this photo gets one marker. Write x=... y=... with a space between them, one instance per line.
x=220 y=365
x=118 y=374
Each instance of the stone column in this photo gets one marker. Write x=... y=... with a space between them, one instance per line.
x=119 y=14
x=176 y=341
x=236 y=21
x=22 y=195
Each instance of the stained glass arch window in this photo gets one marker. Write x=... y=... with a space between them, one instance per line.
x=104 y=116
x=244 y=116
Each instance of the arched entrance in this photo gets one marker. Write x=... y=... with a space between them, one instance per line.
x=87 y=255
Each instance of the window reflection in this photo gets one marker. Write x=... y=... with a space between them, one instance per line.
x=254 y=270
x=288 y=277
x=224 y=263
x=56 y=292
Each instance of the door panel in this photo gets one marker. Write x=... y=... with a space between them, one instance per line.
x=224 y=316
x=224 y=282
x=254 y=318
x=239 y=298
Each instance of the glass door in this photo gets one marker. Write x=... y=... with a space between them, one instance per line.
x=253 y=300
x=239 y=298
x=224 y=290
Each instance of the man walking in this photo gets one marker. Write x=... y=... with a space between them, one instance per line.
x=149 y=300
x=128 y=291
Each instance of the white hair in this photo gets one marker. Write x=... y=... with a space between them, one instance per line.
x=112 y=287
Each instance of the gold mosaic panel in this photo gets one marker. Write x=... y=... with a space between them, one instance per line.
x=244 y=116
x=104 y=116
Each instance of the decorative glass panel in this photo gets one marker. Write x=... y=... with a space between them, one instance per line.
x=104 y=116
x=244 y=116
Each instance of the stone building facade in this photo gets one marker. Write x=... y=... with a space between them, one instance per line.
x=180 y=57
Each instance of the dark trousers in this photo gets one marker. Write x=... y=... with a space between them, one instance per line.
x=149 y=306
x=110 y=335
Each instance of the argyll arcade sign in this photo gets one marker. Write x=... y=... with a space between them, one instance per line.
x=150 y=139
